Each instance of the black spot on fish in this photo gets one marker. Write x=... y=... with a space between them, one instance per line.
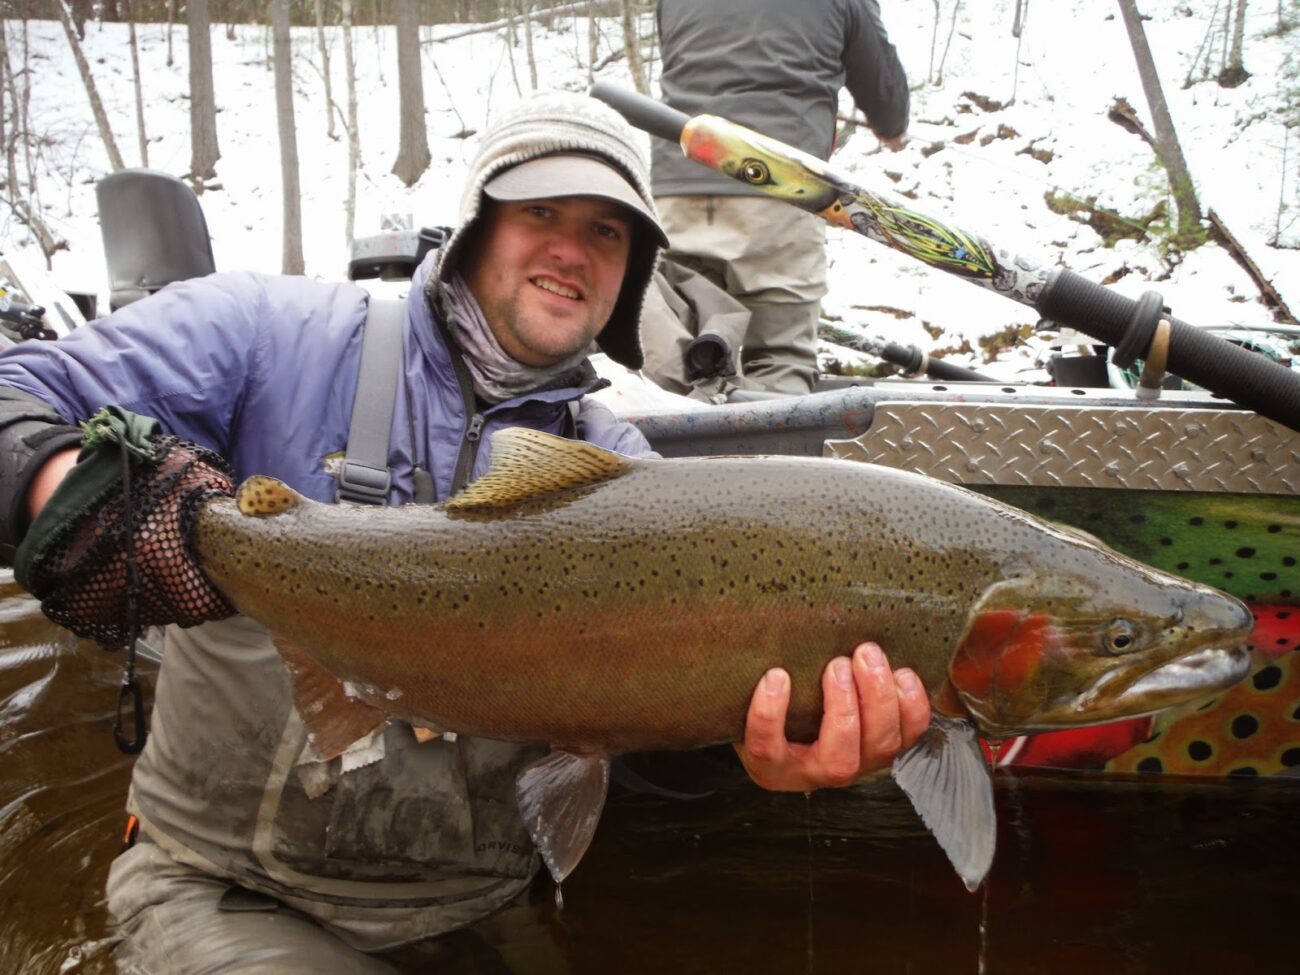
x=1199 y=751
x=1244 y=725
x=1288 y=561
x=1137 y=519
x=1291 y=757
x=1166 y=541
x=1274 y=529
x=1198 y=520
x=1151 y=764
x=1268 y=678
x=1268 y=576
x=1216 y=561
x=1184 y=566
x=1284 y=614
x=1230 y=524
x=1244 y=772
x=1245 y=552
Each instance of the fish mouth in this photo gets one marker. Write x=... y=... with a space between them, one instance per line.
x=1185 y=678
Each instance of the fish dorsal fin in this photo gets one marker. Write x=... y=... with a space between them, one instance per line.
x=945 y=777
x=560 y=798
x=261 y=495
x=527 y=464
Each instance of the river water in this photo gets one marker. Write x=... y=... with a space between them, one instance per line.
x=1128 y=876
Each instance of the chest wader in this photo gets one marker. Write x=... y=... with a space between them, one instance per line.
x=417 y=840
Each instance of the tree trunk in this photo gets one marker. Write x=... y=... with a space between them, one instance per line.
x=1234 y=72
x=96 y=106
x=325 y=68
x=413 y=150
x=354 y=141
x=593 y=45
x=171 y=20
x=291 y=256
x=204 y=151
x=139 y=92
x=24 y=207
x=528 y=42
x=1167 y=146
x=632 y=49
x=947 y=46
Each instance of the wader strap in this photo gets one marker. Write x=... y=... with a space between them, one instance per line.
x=365 y=477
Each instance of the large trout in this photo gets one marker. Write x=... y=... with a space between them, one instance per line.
x=603 y=604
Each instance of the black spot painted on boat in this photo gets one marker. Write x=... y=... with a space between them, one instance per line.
x=1199 y=751
x=1152 y=765
x=1268 y=678
x=1244 y=725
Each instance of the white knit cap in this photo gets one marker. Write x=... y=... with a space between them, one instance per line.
x=564 y=123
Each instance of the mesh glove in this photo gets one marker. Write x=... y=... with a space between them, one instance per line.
x=74 y=556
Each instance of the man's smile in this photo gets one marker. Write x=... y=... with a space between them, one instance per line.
x=556 y=287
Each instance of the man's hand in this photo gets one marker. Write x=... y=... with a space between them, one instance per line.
x=871 y=714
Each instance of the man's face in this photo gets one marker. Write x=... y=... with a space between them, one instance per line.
x=547 y=273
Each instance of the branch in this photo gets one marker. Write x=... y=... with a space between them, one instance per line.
x=1269 y=294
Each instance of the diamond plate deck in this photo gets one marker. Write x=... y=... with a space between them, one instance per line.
x=1143 y=448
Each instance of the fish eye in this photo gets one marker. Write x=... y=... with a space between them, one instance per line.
x=755 y=171
x=1121 y=636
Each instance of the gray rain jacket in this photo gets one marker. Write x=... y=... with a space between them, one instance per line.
x=777 y=67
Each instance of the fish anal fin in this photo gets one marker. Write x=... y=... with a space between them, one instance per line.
x=945 y=776
x=261 y=495
x=561 y=797
x=528 y=464
x=334 y=720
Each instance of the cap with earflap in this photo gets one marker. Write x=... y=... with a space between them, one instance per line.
x=564 y=144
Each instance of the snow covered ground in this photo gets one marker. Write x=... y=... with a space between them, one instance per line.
x=1071 y=62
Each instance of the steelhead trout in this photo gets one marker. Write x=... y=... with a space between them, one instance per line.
x=603 y=604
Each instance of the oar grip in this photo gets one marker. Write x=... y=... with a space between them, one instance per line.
x=643 y=112
x=1242 y=376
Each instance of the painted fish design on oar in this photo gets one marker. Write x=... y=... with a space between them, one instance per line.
x=603 y=604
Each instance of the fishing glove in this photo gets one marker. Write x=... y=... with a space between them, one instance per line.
x=133 y=494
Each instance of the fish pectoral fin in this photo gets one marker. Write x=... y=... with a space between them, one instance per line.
x=334 y=719
x=528 y=464
x=561 y=797
x=260 y=495
x=945 y=776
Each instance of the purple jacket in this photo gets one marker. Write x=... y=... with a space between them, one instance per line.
x=263 y=370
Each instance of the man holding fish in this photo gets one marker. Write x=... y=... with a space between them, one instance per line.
x=258 y=846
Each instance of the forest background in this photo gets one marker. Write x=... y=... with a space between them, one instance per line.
x=1040 y=126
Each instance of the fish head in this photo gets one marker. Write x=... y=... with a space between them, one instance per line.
x=1067 y=646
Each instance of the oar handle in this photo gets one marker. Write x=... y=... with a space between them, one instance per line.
x=645 y=113
x=1245 y=377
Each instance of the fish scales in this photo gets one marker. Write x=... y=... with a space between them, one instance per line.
x=603 y=604
x=634 y=613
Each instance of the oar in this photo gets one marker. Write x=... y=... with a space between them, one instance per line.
x=1057 y=294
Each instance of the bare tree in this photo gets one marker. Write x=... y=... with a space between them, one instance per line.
x=1234 y=72
x=1167 y=145
x=413 y=149
x=947 y=46
x=325 y=68
x=291 y=255
x=135 y=75
x=204 y=151
x=528 y=42
x=593 y=44
x=96 y=106
x=354 y=141
x=24 y=207
x=632 y=48
x=171 y=21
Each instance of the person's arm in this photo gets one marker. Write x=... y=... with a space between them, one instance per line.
x=47 y=479
x=873 y=73
x=871 y=714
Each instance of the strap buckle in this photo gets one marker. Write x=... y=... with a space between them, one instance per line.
x=364 y=484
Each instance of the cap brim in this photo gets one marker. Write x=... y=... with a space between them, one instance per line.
x=568 y=175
